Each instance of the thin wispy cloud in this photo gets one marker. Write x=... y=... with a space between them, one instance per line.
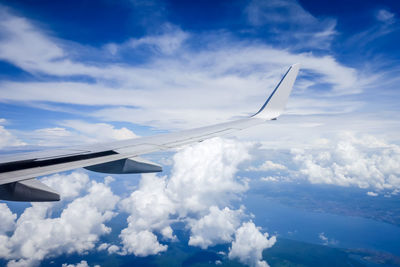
x=214 y=80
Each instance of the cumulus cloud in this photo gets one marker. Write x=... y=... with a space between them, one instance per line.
x=7 y=219
x=113 y=249
x=369 y=162
x=109 y=248
x=198 y=193
x=69 y=186
x=149 y=208
x=38 y=235
x=103 y=246
x=202 y=176
x=141 y=243
x=216 y=227
x=353 y=160
x=249 y=244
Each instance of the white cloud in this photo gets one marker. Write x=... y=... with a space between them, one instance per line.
x=24 y=44
x=138 y=95
x=100 y=131
x=141 y=243
x=372 y=194
x=327 y=241
x=53 y=132
x=56 y=136
x=249 y=244
x=113 y=249
x=37 y=235
x=267 y=166
x=277 y=178
x=150 y=204
x=108 y=180
x=7 y=219
x=22 y=263
x=353 y=160
x=269 y=179
x=76 y=132
x=8 y=139
x=149 y=208
x=103 y=246
x=204 y=174
x=69 y=186
x=216 y=227
x=198 y=192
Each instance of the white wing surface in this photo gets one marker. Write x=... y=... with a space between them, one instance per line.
x=121 y=156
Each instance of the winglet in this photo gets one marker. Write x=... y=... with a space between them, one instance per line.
x=276 y=102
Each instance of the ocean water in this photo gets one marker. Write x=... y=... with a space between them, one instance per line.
x=340 y=230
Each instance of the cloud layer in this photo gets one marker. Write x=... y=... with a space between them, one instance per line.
x=346 y=159
x=198 y=193
x=249 y=244
x=37 y=235
x=362 y=161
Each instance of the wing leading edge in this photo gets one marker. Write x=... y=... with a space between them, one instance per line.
x=18 y=172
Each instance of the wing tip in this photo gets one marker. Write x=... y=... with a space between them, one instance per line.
x=276 y=102
x=298 y=65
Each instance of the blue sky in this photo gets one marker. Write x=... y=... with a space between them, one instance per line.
x=76 y=72
x=173 y=65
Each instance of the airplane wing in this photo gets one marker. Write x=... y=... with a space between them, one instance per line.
x=18 y=172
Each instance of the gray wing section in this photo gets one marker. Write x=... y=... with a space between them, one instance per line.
x=30 y=165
